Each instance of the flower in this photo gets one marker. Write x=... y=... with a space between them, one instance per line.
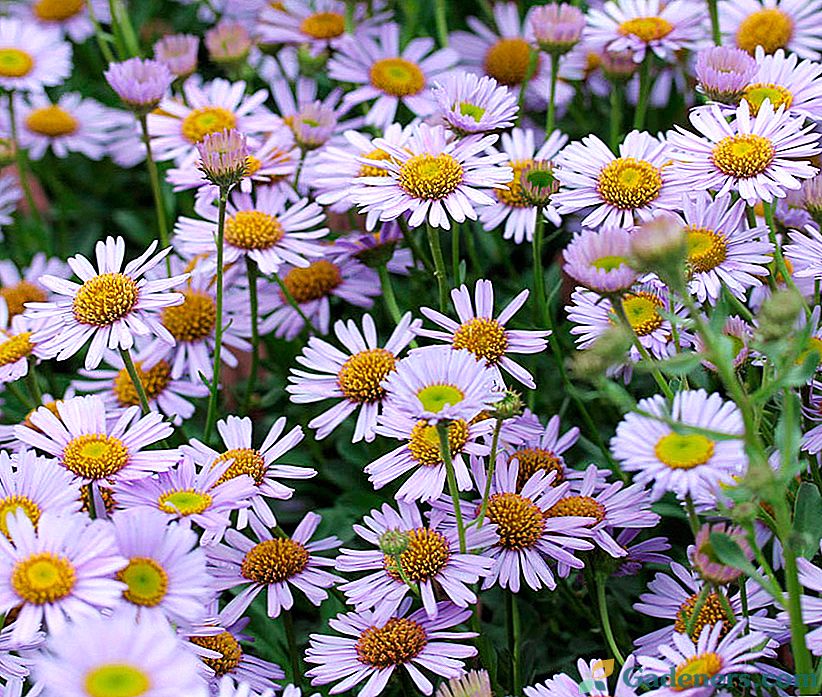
x=178 y=52
x=223 y=158
x=557 y=27
x=261 y=226
x=772 y=24
x=484 y=336
x=61 y=571
x=688 y=463
x=704 y=558
x=433 y=178
x=598 y=259
x=16 y=346
x=647 y=551
x=372 y=650
x=810 y=576
x=256 y=463
x=639 y=25
x=70 y=18
x=354 y=377
x=228 y=42
x=619 y=189
x=511 y=205
x=724 y=72
x=115 y=655
x=594 y=681
x=141 y=84
x=312 y=121
x=471 y=104
x=165 y=570
x=109 y=307
x=740 y=333
x=32 y=57
x=785 y=81
x=759 y=158
x=274 y=564
x=430 y=560
x=93 y=446
x=391 y=76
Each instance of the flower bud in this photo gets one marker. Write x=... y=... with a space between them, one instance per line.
x=179 y=53
x=538 y=183
x=618 y=66
x=141 y=84
x=608 y=350
x=778 y=314
x=724 y=72
x=704 y=559
x=557 y=28
x=811 y=195
x=509 y=407
x=394 y=542
x=223 y=157
x=661 y=247
x=228 y=43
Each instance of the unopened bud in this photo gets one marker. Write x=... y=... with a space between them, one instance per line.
x=538 y=183
x=608 y=350
x=778 y=314
x=812 y=198
x=228 y=43
x=557 y=28
x=394 y=542
x=510 y=406
x=223 y=158
x=618 y=66
x=661 y=247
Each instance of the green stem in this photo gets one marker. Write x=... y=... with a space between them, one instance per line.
x=288 y=622
x=388 y=294
x=714 y=12
x=514 y=637
x=404 y=576
x=539 y=274
x=31 y=381
x=644 y=91
x=22 y=397
x=616 y=116
x=455 y=254
x=533 y=60
x=492 y=463
x=99 y=35
x=22 y=165
x=690 y=622
x=291 y=301
x=156 y=190
x=693 y=518
x=781 y=266
x=451 y=477
x=550 y=117
x=91 y=509
x=131 y=369
x=442 y=22
x=439 y=265
x=251 y=272
x=606 y=620
x=211 y=414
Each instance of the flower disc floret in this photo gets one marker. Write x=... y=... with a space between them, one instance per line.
x=743 y=156
x=147 y=582
x=684 y=451
x=710 y=613
x=770 y=28
x=430 y=177
x=397 y=76
x=57 y=10
x=16 y=296
x=424 y=444
x=323 y=25
x=274 y=561
x=16 y=504
x=507 y=61
x=15 y=62
x=583 y=506
x=184 y=502
x=245 y=461
x=253 y=230
x=398 y=641
x=14 y=347
x=206 y=120
x=154 y=381
x=707 y=249
x=95 y=456
x=43 y=578
x=483 y=337
x=361 y=375
x=533 y=460
x=426 y=554
x=312 y=282
x=225 y=644
x=512 y=196
x=642 y=311
x=697 y=671
x=104 y=299
x=757 y=93
x=194 y=319
x=520 y=522
x=646 y=29
x=116 y=680
x=628 y=183
x=51 y=121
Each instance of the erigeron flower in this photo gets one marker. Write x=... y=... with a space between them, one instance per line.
x=724 y=72
x=312 y=121
x=599 y=260
x=228 y=42
x=223 y=158
x=17 y=346
x=32 y=57
x=786 y=82
x=71 y=18
x=140 y=84
x=10 y=196
x=178 y=52
x=772 y=24
x=557 y=27
x=468 y=103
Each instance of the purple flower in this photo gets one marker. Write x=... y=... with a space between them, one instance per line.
x=178 y=52
x=141 y=84
x=724 y=72
x=557 y=27
x=223 y=157
x=704 y=558
x=472 y=104
x=228 y=42
x=598 y=260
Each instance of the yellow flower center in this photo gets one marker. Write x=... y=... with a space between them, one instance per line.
x=360 y=376
x=95 y=456
x=424 y=444
x=43 y=578
x=684 y=451
x=434 y=398
x=743 y=156
x=706 y=249
x=205 y=120
x=629 y=183
x=646 y=29
x=147 y=582
x=57 y=10
x=225 y=644
x=584 y=506
x=397 y=77
x=532 y=460
x=18 y=295
x=756 y=94
x=769 y=28
x=184 y=502
x=398 y=641
x=15 y=63
x=512 y=196
x=368 y=170
x=273 y=561
x=252 y=165
x=116 y=680
x=430 y=176
x=507 y=61
x=253 y=230
x=314 y=281
x=51 y=121
x=483 y=337
x=519 y=520
x=642 y=311
x=427 y=553
x=13 y=347
x=246 y=461
x=323 y=25
x=104 y=299
x=709 y=614
x=154 y=381
x=697 y=671
x=17 y=503
x=194 y=319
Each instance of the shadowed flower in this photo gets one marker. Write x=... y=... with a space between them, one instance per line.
x=141 y=84
x=724 y=72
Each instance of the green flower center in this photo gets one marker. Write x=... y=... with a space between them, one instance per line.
x=435 y=397
x=117 y=680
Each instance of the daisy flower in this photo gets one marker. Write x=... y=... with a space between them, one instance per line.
x=618 y=191
x=32 y=57
x=437 y=384
x=772 y=24
x=165 y=394
x=273 y=564
x=191 y=495
x=106 y=656
x=785 y=81
x=372 y=650
x=649 y=551
x=594 y=682
x=70 y=17
x=435 y=179
x=724 y=72
x=18 y=287
x=598 y=259
x=258 y=464
x=803 y=253
x=557 y=27
x=759 y=158
x=177 y=127
x=312 y=121
x=468 y=103
x=421 y=453
x=10 y=195
x=178 y=52
x=140 y=84
x=741 y=335
x=258 y=226
x=16 y=346
x=353 y=376
x=312 y=287
x=110 y=306
x=510 y=207
x=484 y=336
x=93 y=446
x=640 y=25
x=431 y=560
x=61 y=571
x=722 y=249
x=389 y=75
x=679 y=460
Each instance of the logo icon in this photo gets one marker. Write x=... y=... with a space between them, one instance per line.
x=600 y=671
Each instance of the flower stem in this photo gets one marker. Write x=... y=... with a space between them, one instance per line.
x=644 y=91
x=22 y=165
x=442 y=22
x=32 y=383
x=455 y=254
x=533 y=60
x=91 y=508
x=411 y=243
x=539 y=274
x=439 y=265
x=781 y=266
x=291 y=301
x=714 y=12
x=100 y=36
x=690 y=622
x=616 y=116
x=514 y=636
x=388 y=294
x=131 y=369
x=156 y=190
x=693 y=518
x=288 y=622
x=445 y=453
x=552 y=98
x=211 y=414
x=605 y=619
x=251 y=272
x=492 y=463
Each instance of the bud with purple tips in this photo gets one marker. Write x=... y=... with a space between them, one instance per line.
x=141 y=84
x=223 y=158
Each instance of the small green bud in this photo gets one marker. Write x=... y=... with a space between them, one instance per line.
x=661 y=247
x=394 y=542
x=778 y=314
x=538 y=183
x=510 y=406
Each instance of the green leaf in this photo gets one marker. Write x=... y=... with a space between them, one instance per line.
x=677 y=366
x=807 y=519
x=730 y=553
